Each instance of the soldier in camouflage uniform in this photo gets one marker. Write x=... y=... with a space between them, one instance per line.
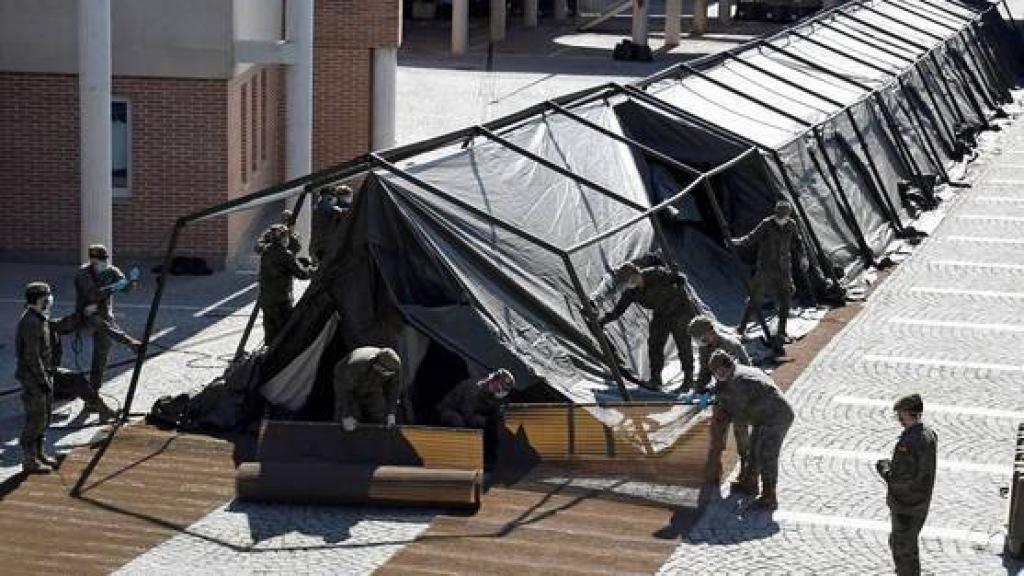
x=751 y=398
x=95 y=283
x=329 y=213
x=367 y=387
x=37 y=344
x=478 y=404
x=910 y=477
x=664 y=293
x=710 y=340
x=278 y=267
x=775 y=239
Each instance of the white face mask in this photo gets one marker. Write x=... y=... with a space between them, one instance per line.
x=501 y=393
x=47 y=303
x=100 y=265
x=780 y=220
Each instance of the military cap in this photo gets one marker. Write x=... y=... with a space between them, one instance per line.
x=700 y=326
x=720 y=359
x=98 y=251
x=35 y=291
x=783 y=207
x=911 y=403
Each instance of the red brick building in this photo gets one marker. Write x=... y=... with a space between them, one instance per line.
x=192 y=125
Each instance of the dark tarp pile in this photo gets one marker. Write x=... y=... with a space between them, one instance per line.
x=854 y=105
x=492 y=246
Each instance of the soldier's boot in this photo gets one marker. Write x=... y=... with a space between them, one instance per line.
x=654 y=383
x=29 y=462
x=746 y=483
x=43 y=457
x=100 y=408
x=767 y=499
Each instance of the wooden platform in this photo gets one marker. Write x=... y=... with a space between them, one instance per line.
x=149 y=486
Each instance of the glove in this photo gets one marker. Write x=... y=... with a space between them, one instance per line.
x=703 y=400
x=90 y=309
x=882 y=466
x=390 y=421
x=349 y=423
x=116 y=286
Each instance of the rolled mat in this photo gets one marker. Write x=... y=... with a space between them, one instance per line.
x=314 y=482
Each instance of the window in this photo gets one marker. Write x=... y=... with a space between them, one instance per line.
x=120 y=148
x=263 y=114
x=245 y=133
x=254 y=92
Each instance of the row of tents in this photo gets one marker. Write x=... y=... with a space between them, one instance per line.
x=488 y=247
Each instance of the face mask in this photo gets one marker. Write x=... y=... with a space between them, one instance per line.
x=100 y=265
x=501 y=393
x=48 y=303
x=780 y=220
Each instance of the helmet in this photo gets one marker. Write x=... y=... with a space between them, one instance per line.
x=911 y=403
x=783 y=208
x=98 y=251
x=720 y=359
x=36 y=290
x=700 y=326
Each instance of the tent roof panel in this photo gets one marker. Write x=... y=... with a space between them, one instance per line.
x=771 y=91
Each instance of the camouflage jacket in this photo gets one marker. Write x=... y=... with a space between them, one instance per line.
x=663 y=293
x=911 y=475
x=751 y=397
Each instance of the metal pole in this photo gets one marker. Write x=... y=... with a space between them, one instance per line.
x=684 y=115
x=879 y=185
x=917 y=102
x=140 y=359
x=727 y=239
x=814 y=65
x=969 y=87
x=744 y=95
x=930 y=147
x=240 y=349
x=948 y=94
x=590 y=316
x=885 y=37
x=823 y=261
x=910 y=163
x=625 y=140
x=873 y=43
x=788 y=82
x=844 y=202
x=847 y=55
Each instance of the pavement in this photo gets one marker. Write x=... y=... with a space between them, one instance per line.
x=945 y=324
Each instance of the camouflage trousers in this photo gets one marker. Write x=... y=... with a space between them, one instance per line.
x=104 y=333
x=765 y=446
x=781 y=290
x=903 y=542
x=37 y=400
x=661 y=327
x=717 y=440
x=275 y=316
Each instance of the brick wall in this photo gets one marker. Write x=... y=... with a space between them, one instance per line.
x=178 y=153
x=346 y=33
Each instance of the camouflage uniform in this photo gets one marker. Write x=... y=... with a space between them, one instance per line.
x=751 y=398
x=327 y=217
x=469 y=405
x=720 y=418
x=910 y=479
x=664 y=294
x=89 y=291
x=278 y=266
x=774 y=244
x=362 y=390
x=34 y=347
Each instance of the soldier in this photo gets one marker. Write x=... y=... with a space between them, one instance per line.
x=38 y=349
x=287 y=220
x=330 y=211
x=711 y=340
x=476 y=404
x=95 y=282
x=750 y=398
x=774 y=239
x=664 y=293
x=278 y=267
x=367 y=387
x=910 y=477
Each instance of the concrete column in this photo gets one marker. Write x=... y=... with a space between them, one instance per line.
x=725 y=11
x=561 y=10
x=673 y=14
x=530 y=13
x=640 y=22
x=700 y=17
x=299 y=99
x=94 y=124
x=498 y=14
x=385 y=78
x=460 y=27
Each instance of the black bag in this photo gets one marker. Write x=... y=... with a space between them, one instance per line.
x=168 y=411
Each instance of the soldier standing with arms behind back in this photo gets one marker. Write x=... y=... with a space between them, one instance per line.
x=910 y=477
x=774 y=238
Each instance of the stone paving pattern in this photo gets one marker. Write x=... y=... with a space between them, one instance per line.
x=832 y=515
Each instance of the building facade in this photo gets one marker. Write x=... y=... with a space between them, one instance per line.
x=192 y=123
